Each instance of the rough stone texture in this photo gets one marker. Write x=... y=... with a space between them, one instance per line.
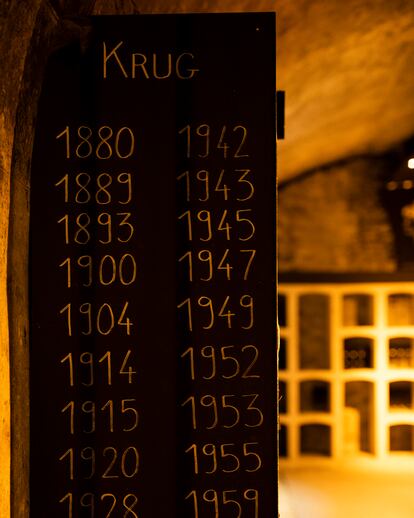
x=347 y=70
x=332 y=221
x=181 y=6
x=16 y=24
x=26 y=38
x=42 y=40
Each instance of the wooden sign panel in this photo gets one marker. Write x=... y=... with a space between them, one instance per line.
x=152 y=271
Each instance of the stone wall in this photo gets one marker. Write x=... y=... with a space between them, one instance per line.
x=17 y=21
x=332 y=220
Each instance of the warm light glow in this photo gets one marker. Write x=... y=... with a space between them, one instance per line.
x=411 y=163
x=368 y=408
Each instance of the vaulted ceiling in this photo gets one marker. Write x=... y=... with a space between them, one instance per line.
x=347 y=69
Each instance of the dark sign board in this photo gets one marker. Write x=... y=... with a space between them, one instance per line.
x=152 y=271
